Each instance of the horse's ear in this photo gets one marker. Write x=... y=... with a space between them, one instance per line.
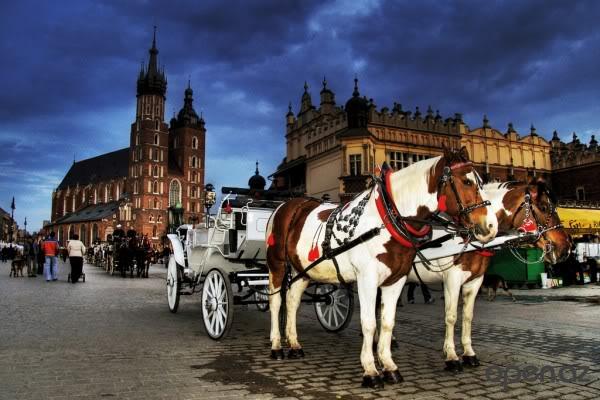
x=464 y=153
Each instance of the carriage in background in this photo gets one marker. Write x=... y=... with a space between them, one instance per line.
x=224 y=259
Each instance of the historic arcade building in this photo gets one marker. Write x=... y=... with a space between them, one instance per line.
x=154 y=183
x=332 y=150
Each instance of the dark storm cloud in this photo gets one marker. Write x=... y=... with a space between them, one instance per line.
x=69 y=71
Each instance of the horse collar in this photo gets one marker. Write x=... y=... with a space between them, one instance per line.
x=401 y=231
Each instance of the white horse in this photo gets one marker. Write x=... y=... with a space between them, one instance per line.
x=303 y=230
x=519 y=208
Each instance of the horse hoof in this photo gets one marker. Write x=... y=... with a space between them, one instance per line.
x=295 y=353
x=277 y=354
x=453 y=366
x=470 y=361
x=392 y=377
x=373 y=382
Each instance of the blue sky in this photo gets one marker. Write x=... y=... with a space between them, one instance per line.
x=69 y=70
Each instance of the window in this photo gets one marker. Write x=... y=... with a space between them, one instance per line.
x=155 y=187
x=156 y=136
x=399 y=160
x=135 y=187
x=156 y=127
x=580 y=193
x=194 y=142
x=154 y=232
x=155 y=171
x=194 y=176
x=355 y=164
x=151 y=219
x=174 y=193
x=106 y=191
x=194 y=162
x=155 y=203
x=194 y=192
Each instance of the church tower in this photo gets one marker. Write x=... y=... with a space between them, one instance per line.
x=148 y=151
x=187 y=144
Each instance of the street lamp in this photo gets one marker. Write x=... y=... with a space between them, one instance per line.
x=12 y=219
x=210 y=198
x=25 y=224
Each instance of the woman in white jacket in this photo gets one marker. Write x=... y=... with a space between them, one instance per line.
x=76 y=250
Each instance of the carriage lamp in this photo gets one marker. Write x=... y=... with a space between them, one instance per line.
x=210 y=198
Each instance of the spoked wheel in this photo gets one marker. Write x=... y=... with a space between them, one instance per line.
x=335 y=314
x=173 y=285
x=217 y=304
x=260 y=295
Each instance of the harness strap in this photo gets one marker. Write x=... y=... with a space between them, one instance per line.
x=335 y=252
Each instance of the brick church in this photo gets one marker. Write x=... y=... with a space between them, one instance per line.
x=151 y=186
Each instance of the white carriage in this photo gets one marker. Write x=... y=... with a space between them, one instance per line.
x=224 y=259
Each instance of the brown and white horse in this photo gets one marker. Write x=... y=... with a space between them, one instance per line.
x=297 y=229
x=520 y=207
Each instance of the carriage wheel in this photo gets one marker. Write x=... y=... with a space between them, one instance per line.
x=217 y=304
x=173 y=285
x=335 y=314
x=264 y=307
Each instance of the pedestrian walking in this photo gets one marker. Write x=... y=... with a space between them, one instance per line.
x=426 y=295
x=76 y=250
x=593 y=268
x=50 y=248
x=28 y=257
x=39 y=255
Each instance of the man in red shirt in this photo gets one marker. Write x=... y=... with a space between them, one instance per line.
x=50 y=249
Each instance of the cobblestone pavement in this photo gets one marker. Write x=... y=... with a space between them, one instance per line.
x=115 y=338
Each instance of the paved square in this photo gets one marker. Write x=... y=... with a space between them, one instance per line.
x=115 y=338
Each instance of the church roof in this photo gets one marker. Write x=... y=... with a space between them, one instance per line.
x=93 y=212
x=97 y=169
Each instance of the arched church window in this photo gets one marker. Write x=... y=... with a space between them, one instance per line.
x=155 y=171
x=174 y=193
x=194 y=142
x=155 y=187
x=151 y=218
x=194 y=162
x=154 y=231
x=156 y=126
x=155 y=203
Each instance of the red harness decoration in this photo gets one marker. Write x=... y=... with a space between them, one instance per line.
x=313 y=254
x=271 y=240
x=528 y=226
x=485 y=253
x=397 y=236
x=442 y=203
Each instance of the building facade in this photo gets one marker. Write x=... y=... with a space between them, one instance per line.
x=333 y=150
x=575 y=171
x=152 y=185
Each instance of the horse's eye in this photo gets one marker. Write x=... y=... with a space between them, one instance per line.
x=543 y=209
x=467 y=182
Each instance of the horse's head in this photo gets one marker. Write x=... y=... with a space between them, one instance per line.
x=459 y=194
x=534 y=212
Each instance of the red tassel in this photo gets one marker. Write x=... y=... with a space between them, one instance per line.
x=442 y=203
x=313 y=254
x=228 y=208
x=271 y=240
